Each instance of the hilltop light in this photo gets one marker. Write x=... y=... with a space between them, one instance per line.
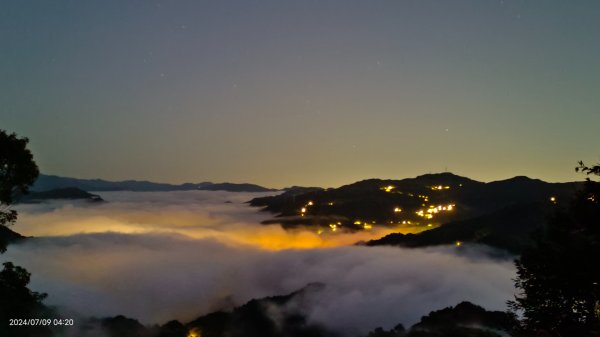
x=330 y=203
x=357 y=222
x=553 y=200
x=310 y=203
x=367 y=226
x=458 y=243
x=303 y=210
x=195 y=332
x=388 y=188
x=333 y=227
x=397 y=210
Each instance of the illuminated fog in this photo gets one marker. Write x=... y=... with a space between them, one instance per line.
x=178 y=255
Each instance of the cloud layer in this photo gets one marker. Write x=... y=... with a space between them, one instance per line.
x=198 y=214
x=162 y=256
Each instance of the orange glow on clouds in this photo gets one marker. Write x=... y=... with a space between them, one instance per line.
x=231 y=223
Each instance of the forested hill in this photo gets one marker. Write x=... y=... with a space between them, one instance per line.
x=446 y=207
x=278 y=316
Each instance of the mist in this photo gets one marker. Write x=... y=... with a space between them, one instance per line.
x=224 y=216
x=179 y=255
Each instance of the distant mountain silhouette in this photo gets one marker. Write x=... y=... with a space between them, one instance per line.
x=71 y=193
x=49 y=182
x=445 y=206
x=231 y=187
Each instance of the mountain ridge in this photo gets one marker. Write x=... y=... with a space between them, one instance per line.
x=441 y=208
x=49 y=182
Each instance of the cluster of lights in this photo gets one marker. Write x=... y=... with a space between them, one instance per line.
x=388 y=188
x=304 y=209
x=332 y=226
x=365 y=224
x=553 y=200
x=428 y=214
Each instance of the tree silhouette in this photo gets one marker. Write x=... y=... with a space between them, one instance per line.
x=18 y=301
x=559 y=275
x=17 y=172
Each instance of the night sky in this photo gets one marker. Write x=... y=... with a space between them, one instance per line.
x=286 y=93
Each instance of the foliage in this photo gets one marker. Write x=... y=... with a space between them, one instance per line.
x=463 y=320
x=20 y=302
x=559 y=275
x=595 y=170
x=14 y=291
x=17 y=172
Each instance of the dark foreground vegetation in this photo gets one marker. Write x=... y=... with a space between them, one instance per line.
x=268 y=317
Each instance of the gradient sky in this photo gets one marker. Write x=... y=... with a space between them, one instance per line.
x=302 y=92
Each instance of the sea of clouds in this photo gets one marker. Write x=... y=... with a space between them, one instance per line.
x=157 y=256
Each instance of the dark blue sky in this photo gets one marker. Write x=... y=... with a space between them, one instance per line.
x=302 y=92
